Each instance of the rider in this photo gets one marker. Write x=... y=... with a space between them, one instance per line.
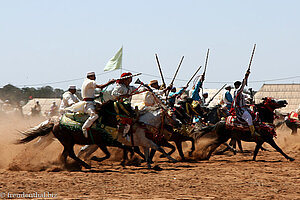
x=53 y=109
x=239 y=103
x=173 y=94
x=195 y=93
x=88 y=94
x=227 y=97
x=68 y=99
x=123 y=89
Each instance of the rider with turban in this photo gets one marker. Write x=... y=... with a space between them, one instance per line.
x=123 y=88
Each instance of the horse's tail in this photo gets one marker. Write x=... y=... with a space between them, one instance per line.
x=42 y=129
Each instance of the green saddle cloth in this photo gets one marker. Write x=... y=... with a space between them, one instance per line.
x=74 y=121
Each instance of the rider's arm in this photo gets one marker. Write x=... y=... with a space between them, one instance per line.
x=106 y=84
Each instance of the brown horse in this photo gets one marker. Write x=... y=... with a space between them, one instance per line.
x=221 y=133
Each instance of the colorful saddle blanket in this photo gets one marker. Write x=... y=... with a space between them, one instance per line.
x=233 y=123
x=74 y=121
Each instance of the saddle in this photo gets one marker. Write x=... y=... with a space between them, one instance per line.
x=74 y=121
x=234 y=123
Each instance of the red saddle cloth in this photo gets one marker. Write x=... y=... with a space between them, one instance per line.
x=232 y=122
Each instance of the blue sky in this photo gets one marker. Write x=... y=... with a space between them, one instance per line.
x=51 y=42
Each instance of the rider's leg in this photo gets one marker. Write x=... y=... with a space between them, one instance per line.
x=88 y=123
x=248 y=118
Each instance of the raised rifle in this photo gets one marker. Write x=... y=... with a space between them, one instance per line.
x=205 y=66
x=216 y=94
x=251 y=60
x=159 y=68
x=193 y=76
x=171 y=84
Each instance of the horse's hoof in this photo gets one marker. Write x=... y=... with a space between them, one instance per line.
x=174 y=161
x=87 y=166
x=190 y=154
x=95 y=158
x=291 y=159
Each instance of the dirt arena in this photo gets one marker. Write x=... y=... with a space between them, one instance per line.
x=25 y=170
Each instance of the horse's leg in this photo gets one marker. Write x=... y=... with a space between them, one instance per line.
x=72 y=155
x=275 y=146
x=173 y=149
x=212 y=148
x=179 y=149
x=230 y=148
x=239 y=142
x=193 y=146
x=146 y=152
x=138 y=151
x=257 y=147
x=105 y=150
x=63 y=156
x=151 y=155
x=88 y=150
x=141 y=140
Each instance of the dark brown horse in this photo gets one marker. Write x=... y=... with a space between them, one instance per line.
x=220 y=132
x=69 y=136
x=266 y=114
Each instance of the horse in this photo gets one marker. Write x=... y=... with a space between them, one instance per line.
x=291 y=121
x=184 y=111
x=220 y=132
x=266 y=114
x=105 y=133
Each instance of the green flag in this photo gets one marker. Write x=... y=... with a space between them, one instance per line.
x=115 y=62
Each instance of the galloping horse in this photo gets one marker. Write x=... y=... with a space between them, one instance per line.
x=221 y=133
x=105 y=133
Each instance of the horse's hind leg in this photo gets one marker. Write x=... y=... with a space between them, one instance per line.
x=257 y=147
x=275 y=146
x=173 y=149
x=179 y=149
x=105 y=150
x=193 y=146
x=88 y=150
x=146 y=152
x=72 y=155
x=63 y=156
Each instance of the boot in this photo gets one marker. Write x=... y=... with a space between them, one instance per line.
x=253 y=132
x=85 y=133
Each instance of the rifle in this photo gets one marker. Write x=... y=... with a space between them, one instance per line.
x=191 y=79
x=216 y=94
x=251 y=60
x=176 y=71
x=159 y=68
x=206 y=60
x=130 y=76
x=171 y=84
x=138 y=81
x=193 y=76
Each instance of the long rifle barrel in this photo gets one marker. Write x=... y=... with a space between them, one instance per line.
x=251 y=57
x=161 y=75
x=193 y=76
x=216 y=94
x=206 y=60
x=177 y=71
x=251 y=60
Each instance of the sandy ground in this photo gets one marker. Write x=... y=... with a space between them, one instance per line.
x=25 y=170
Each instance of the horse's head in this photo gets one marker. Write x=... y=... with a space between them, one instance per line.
x=274 y=103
